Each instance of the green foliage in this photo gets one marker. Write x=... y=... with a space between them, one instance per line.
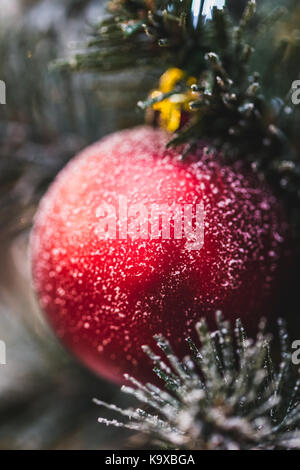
x=227 y=396
x=244 y=72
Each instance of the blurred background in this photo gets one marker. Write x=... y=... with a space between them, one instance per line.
x=45 y=395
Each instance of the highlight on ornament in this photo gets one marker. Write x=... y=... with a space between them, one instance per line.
x=149 y=227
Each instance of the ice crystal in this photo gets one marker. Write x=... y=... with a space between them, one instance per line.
x=227 y=395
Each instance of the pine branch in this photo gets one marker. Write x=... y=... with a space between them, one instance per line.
x=228 y=395
x=240 y=102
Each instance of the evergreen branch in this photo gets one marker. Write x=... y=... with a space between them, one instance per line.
x=239 y=103
x=242 y=403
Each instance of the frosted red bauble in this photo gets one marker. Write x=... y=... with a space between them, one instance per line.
x=107 y=297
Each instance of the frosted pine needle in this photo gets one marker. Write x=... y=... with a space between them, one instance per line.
x=227 y=395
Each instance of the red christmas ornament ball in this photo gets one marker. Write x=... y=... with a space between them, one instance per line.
x=106 y=296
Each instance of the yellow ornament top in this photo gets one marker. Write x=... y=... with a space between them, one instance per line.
x=171 y=108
